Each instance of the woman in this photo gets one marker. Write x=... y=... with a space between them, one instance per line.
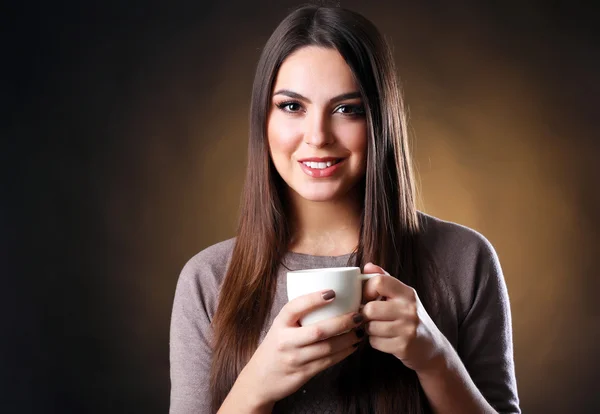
x=328 y=184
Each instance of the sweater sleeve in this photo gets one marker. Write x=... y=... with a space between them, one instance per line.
x=190 y=336
x=485 y=333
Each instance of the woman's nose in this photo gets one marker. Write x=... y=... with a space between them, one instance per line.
x=318 y=133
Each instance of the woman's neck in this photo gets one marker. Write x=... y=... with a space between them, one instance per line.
x=325 y=228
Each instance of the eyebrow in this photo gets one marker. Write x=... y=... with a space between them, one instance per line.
x=295 y=95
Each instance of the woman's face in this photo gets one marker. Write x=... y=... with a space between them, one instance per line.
x=316 y=128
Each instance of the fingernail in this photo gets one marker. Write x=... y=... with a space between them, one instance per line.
x=358 y=318
x=360 y=333
x=330 y=294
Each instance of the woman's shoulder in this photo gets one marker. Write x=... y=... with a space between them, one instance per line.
x=209 y=265
x=196 y=295
x=217 y=254
x=453 y=241
x=464 y=259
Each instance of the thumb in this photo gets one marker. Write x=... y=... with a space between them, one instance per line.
x=373 y=268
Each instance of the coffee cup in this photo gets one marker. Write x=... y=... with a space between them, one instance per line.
x=346 y=282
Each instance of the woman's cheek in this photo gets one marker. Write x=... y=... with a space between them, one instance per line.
x=284 y=129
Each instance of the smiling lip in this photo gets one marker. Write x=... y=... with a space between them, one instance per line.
x=317 y=172
x=317 y=159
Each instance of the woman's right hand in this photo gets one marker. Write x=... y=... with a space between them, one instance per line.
x=291 y=354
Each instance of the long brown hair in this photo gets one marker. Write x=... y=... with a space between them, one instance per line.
x=371 y=381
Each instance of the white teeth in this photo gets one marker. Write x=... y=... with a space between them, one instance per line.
x=319 y=165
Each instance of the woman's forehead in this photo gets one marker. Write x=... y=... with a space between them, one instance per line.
x=316 y=73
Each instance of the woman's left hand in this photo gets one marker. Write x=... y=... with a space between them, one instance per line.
x=400 y=325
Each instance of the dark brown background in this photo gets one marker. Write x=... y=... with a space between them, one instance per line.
x=123 y=154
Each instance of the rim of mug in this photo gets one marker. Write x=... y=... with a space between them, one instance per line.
x=330 y=269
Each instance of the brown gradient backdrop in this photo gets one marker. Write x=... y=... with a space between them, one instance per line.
x=126 y=152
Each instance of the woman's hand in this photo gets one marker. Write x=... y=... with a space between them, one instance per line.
x=291 y=354
x=400 y=325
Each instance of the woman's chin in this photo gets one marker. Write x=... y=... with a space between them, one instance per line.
x=319 y=196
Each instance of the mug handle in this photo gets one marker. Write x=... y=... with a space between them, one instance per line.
x=364 y=277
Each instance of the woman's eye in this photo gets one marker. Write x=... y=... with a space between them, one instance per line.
x=289 y=106
x=350 y=110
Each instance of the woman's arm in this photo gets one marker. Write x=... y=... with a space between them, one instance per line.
x=485 y=343
x=450 y=389
x=290 y=355
x=243 y=400
x=480 y=377
x=190 y=351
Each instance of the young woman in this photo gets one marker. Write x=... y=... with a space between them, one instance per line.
x=328 y=184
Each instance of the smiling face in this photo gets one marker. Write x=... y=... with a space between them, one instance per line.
x=316 y=128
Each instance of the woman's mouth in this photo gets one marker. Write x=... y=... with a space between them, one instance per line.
x=320 y=165
x=321 y=169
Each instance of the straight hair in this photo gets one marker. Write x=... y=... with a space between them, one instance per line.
x=369 y=380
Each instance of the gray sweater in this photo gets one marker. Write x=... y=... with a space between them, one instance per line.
x=476 y=320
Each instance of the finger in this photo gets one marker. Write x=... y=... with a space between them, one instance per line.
x=389 y=310
x=327 y=347
x=296 y=308
x=387 y=345
x=384 y=329
x=387 y=286
x=326 y=329
x=373 y=268
x=321 y=364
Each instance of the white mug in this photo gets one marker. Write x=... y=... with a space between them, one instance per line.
x=346 y=282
